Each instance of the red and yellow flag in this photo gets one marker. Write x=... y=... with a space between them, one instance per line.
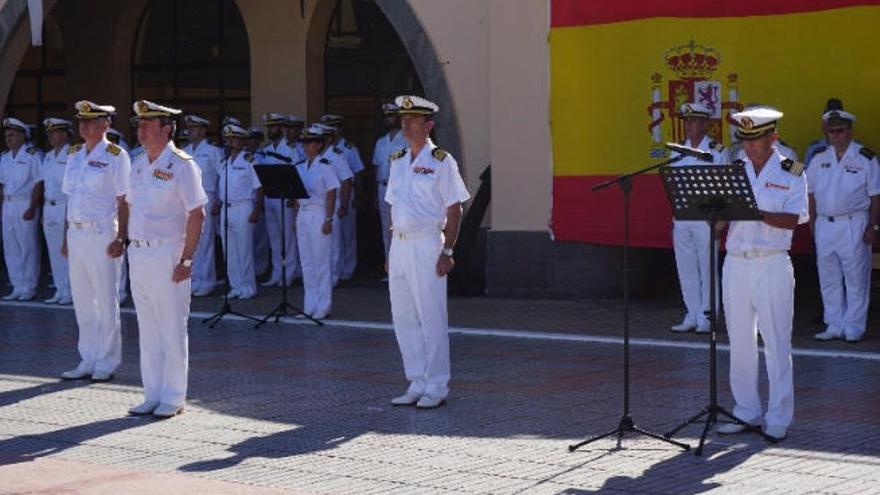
x=620 y=70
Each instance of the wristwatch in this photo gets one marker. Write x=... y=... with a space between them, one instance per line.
x=186 y=263
x=448 y=252
x=875 y=227
x=328 y=219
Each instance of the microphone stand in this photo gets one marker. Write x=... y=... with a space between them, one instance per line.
x=627 y=425
x=227 y=308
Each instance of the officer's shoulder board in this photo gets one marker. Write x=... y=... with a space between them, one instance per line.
x=33 y=150
x=324 y=161
x=439 y=154
x=337 y=150
x=715 y=145
x=867 y=153
x=349 y=145
x=792 y=167
x=75 y=148
x=821 y=149
x=113 y=149
x=397 y=155
x=249 y=157
x=740 y=162
x=182 y=154
x=301 y=161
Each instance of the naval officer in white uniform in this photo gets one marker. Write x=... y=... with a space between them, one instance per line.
x=55 y=205
x=208 y=158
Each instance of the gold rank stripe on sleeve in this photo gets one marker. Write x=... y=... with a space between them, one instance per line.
x=113 y=149
x=439 y=154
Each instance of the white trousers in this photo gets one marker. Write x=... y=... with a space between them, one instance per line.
x=239 y=248
x=691 y=245
x=163 y=316
x=348 y=239
x=291 y=261
x=844 y=265
x=418 y=311
x=204 y=272
x=315 y=250
x=384 y=219
x=53 y=230
x=759 y=295
x=94 y=280
x=21 y=246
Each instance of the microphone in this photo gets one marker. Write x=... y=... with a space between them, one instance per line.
x=688 y=151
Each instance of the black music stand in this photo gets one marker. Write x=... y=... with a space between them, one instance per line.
x=711 y=193
x=282 y=182
x=626 y=424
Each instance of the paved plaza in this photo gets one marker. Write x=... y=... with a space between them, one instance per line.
x=300 y=409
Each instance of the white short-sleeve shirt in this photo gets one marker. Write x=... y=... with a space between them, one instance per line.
x=19 y=172
x=162 y=194
x=208 y=158
x=243 y=180
x=352 y=154
x=776 y=191
x=93 y=180
x=52 y=173
x=385 y=146
x=845 y=186
x=318 y=178
x=420 y=189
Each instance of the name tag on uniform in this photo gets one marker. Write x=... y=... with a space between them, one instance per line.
x=423 y=170
x=162 y=175
x=771 y=185
x=853 y=170
x=97 y=164
x=21 y=162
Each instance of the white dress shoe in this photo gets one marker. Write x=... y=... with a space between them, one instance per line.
x=102 y=376
x=143 y=408
x=852 y=339
x=246 y=295
x=272 y=282
x=79 y=373
x=704 y=328
x=685 y=326
x=233 y=294
x=775 y=431
x=828 y=334
x=428 y=402
x=407 y=399
x=732 y=428
x=203 y=292
x=12 y=296
x=26 y=296
x=167 y=411
x=54 y=299
x=65 y=301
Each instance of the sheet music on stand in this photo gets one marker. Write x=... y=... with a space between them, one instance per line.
x=698 y=192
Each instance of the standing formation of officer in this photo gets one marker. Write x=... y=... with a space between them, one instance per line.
x=843 y=179
x=55 y=205
x=691 y=237
x=284 y=258
x=391 y=142
x=426 y=192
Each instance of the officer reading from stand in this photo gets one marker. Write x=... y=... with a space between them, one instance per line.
x=55 y=205
x=690 y=237
x=758 y=282
x=314 y=224
x=96 y=180
x=22 y=194
x=843 y=180
x=425 y=192
x=167 y=202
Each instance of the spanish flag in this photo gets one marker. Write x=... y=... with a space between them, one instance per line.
x=621 y=70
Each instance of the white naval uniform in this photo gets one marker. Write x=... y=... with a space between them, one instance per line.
x=385 y=146
x=54 y=212
x=348 y=231
x=92 y=182
x=204 y=272
x=842 y=191
x=238 y=204
x=273 y=220
x=343 y=172
x=315 y=247
x=19 y=173
x=691 y=245
x=161 y=195
x=758 y=290
x=420 y=190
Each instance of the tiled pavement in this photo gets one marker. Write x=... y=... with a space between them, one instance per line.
x=300 y=409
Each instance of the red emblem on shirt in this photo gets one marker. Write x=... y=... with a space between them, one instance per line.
x=162 y=175
x=777 y=186
x=423 y=170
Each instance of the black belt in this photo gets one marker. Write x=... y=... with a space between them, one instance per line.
x=848 y=216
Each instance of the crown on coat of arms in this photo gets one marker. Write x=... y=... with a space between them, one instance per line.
x=693 y=60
